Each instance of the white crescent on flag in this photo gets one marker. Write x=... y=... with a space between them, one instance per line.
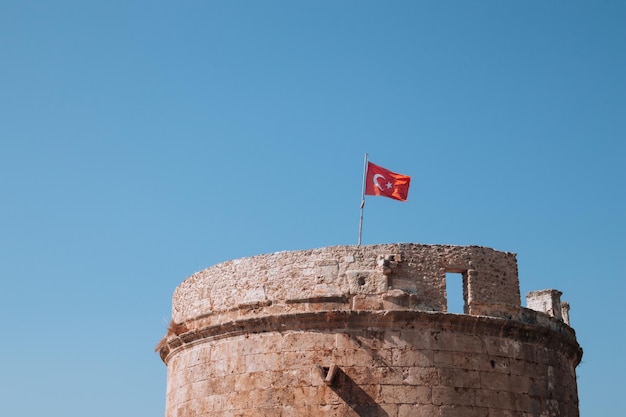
x=375 y=180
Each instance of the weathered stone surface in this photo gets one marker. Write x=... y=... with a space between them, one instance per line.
x=363 y=331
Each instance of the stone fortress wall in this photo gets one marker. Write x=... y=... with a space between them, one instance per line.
x=364 y=331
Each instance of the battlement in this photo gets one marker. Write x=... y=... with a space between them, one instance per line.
x=377 y=277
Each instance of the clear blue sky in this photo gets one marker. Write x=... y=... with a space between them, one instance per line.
x=141 y=141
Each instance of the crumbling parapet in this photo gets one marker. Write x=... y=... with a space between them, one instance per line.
x=410 y=276
x=565 y=312
x=549 y=302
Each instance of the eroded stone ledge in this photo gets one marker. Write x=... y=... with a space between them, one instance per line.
x=550 y=332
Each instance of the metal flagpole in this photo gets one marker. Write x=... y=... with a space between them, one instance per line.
x=362 y=198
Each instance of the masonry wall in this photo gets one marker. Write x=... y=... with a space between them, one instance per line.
x=409 y=275
x=363 y=331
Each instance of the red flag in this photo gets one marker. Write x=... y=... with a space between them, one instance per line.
x=381 y=181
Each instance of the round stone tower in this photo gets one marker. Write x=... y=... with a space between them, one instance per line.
x=364 y=331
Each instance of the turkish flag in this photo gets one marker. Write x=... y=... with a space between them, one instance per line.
x=381 y=181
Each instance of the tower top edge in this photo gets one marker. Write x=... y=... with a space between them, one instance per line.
x=339 y=249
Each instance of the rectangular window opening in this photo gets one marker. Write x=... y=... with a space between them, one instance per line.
x=456 y=295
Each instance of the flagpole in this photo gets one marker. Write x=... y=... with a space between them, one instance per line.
x=362 y=199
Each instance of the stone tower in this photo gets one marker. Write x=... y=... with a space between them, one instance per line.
x=364 y=331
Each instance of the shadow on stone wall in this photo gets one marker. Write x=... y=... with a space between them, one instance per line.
x=355 y=397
